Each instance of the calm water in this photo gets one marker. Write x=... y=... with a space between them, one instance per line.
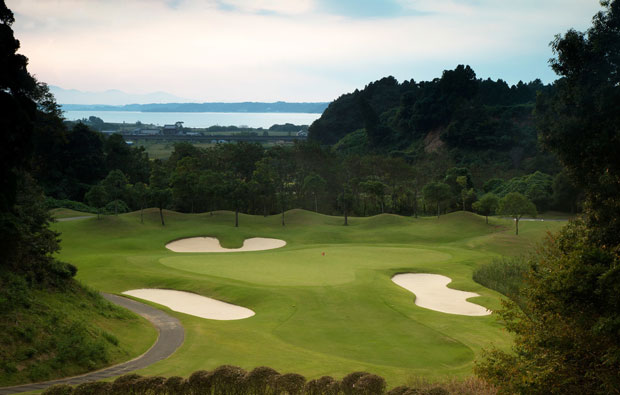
x=198 y=119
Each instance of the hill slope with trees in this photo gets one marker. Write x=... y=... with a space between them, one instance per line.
x=50 y=325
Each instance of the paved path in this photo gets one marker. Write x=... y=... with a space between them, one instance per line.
x=171 y=335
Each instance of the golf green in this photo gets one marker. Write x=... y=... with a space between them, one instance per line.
x=325 y=303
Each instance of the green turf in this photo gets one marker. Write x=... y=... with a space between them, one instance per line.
x=59 y=213
x=316 y=314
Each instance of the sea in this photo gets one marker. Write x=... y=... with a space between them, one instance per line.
x=198 y=119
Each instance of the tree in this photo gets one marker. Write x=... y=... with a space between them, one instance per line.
x=516 y=205
x=237 y=193
x=486 y=205
x=97 y=197
x=262 y=183
x=345 y=200
x=161 y=194
x=115 y=186
x=283 y=171
x=314 y=184
x=27 y=245
x=185 y=184
x=565 y=194
x=567 y=333
x=462 y=181
x=376 y=189
x=436 y=193
x=459 y=179
x=579 y=120
x=140 y=193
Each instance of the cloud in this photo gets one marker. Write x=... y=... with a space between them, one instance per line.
x=268 y=7
x=257 y=50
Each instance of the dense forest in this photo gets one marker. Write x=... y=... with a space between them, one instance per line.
x=384 y=149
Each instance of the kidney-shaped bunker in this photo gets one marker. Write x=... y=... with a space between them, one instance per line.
x=211 y=244
x=192 y=304
x=431 y=292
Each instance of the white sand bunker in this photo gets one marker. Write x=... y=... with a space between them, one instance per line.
x=431 y=292
x=211 y=244
x=192 y=304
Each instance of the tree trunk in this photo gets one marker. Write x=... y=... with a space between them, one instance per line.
x=487 y=218
x=316 y=204
x=517 y=226
x=115 y=207
x=141 y=214
x=161 y=215
x=438 y=212
x=346 y=217
x=236 y=217
x=283 y=216
x=415 y=203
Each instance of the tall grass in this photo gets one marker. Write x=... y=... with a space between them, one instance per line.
x=505 y=275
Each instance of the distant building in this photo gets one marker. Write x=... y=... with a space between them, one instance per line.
x=149 y=132
x=177 y=128
x=302 y=133
x=170 y=129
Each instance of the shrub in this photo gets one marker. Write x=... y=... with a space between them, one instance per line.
x=59 y=389
x=325 y=385
x=260 y=380
x=290 y=384
x=200 y=382
x=369 y=384
x=403 y=390
x=347 y=384
x=228 y=380
x=149 y=385
x=116 y=206
x=124 y=384
x=94 y=388
x=70 y=204
x=176 y=385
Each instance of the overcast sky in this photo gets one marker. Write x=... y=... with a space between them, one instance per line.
x=293 y=50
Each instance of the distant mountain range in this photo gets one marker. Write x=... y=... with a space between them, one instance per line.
x=282 y=107
x=115 y=100
x=112 y=97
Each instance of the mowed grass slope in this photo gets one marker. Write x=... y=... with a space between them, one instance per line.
x=316 y=314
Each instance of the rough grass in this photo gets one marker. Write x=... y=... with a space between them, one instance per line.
x=52 y=333
x=505 y=275
x=315 y=314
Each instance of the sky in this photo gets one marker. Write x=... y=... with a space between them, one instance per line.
x=289 y=50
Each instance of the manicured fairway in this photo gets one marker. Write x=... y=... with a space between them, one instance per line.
x=325 y=303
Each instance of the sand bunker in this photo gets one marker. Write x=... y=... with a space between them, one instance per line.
x=211 y=244
x=431 y=292
x=192 y=304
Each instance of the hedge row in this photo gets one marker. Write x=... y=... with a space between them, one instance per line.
x=232 y=380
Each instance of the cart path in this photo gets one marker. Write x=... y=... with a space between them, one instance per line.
x=171 y=336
